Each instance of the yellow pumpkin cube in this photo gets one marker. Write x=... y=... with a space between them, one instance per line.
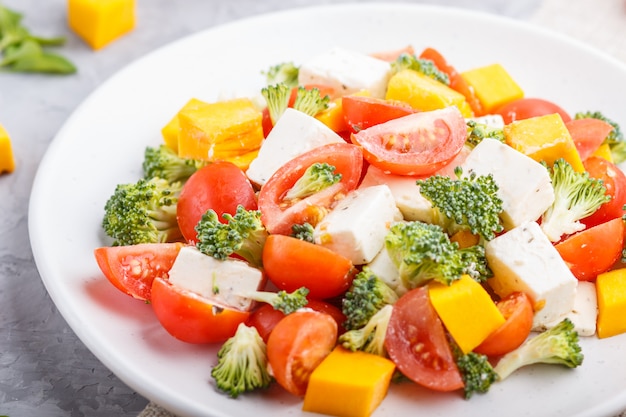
x=423 y=93
x=544 y=139
x=467 y=311
x=220 y=130
x=7 y=162
x=348 y=384
x=604 y=151
x=493 y=86
x=99 y=22
x=611 y=293
x=171 y=130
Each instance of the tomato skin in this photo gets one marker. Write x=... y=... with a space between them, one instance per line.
x=298 y=343
x=418 y=144
x=291 y=263
x=220 y=186
x=266 y=317
x=588 y=134
x=594 y=250
x=517 y=309
x=191 y=318
x=361 y=112
x=614 y=181
x=279 y=217
x=525 y=108
x=416 y=342
x=131 y=269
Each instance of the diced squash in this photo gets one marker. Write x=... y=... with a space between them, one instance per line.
x=604 y=151
x=243 y=161
x=611 y=293
x=99 y=22
x=493 y=86
x=423 y=93
x=171 y=130
x=221 y=130
x=543 y=138
x=467 y=311
x=348 y=384
x=7 y=162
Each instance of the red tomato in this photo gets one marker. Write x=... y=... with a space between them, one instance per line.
x=517 y=309
x=291 y=263
x=220 y=186
x=266 y=317
x=525 y=108
x=191 y=318
x=588 y=134
x=457 y=82
x=298 y=343
x=416 y=342
x=417 y=144
x=131 y=269
x=614 y=181
x=361 y=112
x=279 y=216
x=594 y=250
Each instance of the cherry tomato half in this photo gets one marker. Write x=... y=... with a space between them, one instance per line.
x=361 y=112
x=525 y=108
x=588 y=134
x=131 y=269
x=614 y=181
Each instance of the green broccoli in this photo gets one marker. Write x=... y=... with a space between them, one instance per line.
x=282 y=300
x=615 y=139
x=242 y=363
x=476 y=132
x=424 y=252
x=143 y=212
x=303 y=232
x=316 y=178
x=277 y=99
x=164 y=162
x=476 y=371
x=365 y=297
x=466 y=203
x=244 y=234
x=425 y=66
x=576 y=196
x=310 y=101
x=371 y=337
x=558 y=345
x=283 y=73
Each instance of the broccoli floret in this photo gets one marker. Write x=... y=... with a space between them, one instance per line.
x=425 y=66
x=303 y=232
x=143 y=212
x=365 y=297
x=576 y=196
x=283 y=73
x=163 y=162
x=466 y=203
x=244 y=234
x=474 y=263
x=424 y=252
x=558 y=345
x=477 y=373
x=316 y=178
x=277 y=99
x=476 y=132
x=242 y=363
x=615 y=139
x=310 y=101
x=282 y=300
x=371 y=337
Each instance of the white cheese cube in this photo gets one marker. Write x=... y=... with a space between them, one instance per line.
x=383 y=267
x=524 y=184
x=222 y=282
x=347 y=72
x=584 y=314
x=524 y=259
x=294 y=134
x=357 y=225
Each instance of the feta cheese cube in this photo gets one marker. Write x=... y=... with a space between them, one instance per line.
x=524 y=184
x=584 y=314
x=222 y=282
x=294 y=134
x=357 y=225
x=524 y=259
x=347 y=72
x=383 y=267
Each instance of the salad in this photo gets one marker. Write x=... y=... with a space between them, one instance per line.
x=380 y=216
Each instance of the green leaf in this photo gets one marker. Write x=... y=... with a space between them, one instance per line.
x=45 y=62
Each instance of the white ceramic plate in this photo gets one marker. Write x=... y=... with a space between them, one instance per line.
x=102 y=145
